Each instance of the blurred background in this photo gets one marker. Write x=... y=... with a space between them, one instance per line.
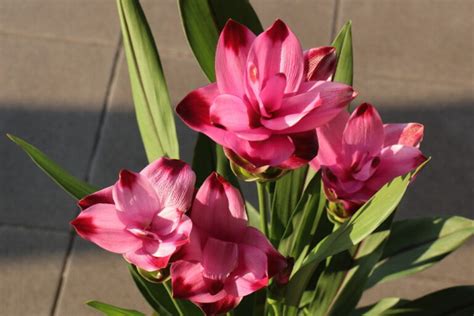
x=64 y=87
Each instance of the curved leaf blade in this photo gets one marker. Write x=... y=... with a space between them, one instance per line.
x=362 y=224
x=343 y=45
x=150 y=93
x=417 y=244
x=75 y=187
x=111 y=310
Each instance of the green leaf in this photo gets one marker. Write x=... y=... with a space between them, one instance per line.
x=453 y=301
x=417 y=244
x=288 y=190
x=150 y=93
x=253 y=215
x=343 y=45
x=363 y=223
x=240 y=11
x=75 y=187
x=204 y=159
x=379 y=308
x=350 y=281
x=111 y=310
x=201 y=31
x=308 y=219
x=159 y=296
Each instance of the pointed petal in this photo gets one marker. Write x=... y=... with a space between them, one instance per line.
x=194 y=110
x=237 y=116
x=311 y=109
x=330 y=140
x=320 y=63
x=276 y=262
x=231 y=56
x=272 y=93
x=270 y=152
x=221 y=306
x=135 y=199
x=218 y=209
x=142 y=259
x=251 y=274
x=166 y=221
x=101 y=196
x=173 y=181
x=364 y=133
x=408 y=134
x=306 y=148
x=188 y=283
x=219 y=259
x=100 y=224
x=277 y=50
x=395 y=161
x=168 y=244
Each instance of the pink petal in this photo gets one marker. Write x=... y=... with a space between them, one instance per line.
x=276 y=262
x=231 y=56
x=168 y=244
x=270 y=152
x=101 y=225
x=408 y=134
x=135 y=199
x=277 y=50
x=142 y=259
x=312 y=109
x=272 y=93
x=364 y=133
x=188 y=283
x=221 y=306
x=166 y=221
x=395 y=161
x=173 y=181
x=219 y=259
x=192 y=251
x=194 y=110
x=330 y=140
x=101 y=196
x=235 y=115
x=251 y=274
x=306 y=148
x=219 y=210
x=320 y=63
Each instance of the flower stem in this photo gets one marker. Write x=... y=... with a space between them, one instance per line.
x=263 y=207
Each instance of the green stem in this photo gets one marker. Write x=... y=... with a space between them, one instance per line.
x=166 y=285
x=263 y=207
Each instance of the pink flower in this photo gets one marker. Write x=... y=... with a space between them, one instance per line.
x=268 y=99
x=226 y=259
x=358 y=154
x=142 y=215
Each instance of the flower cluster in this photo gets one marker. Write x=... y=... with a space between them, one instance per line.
x=273 y=108
x=216 y=258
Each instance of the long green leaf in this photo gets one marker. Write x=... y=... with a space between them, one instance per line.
x=288 y=191
x=343 y=45
x=238 y=10
x=417 y=244
x=379 y=308
x=350 y=287
x=111 y=310
x=453 y=301
x=201 y=31
x=75 y=187
x=363 y=223
x=150 y=93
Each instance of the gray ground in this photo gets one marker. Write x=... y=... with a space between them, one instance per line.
x=64 y=87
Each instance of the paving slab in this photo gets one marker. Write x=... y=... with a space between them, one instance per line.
x=72 y=20
x=426 y=40
x=30 y=261
x=52 y=94
x=311 y=21
x=95 y=274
